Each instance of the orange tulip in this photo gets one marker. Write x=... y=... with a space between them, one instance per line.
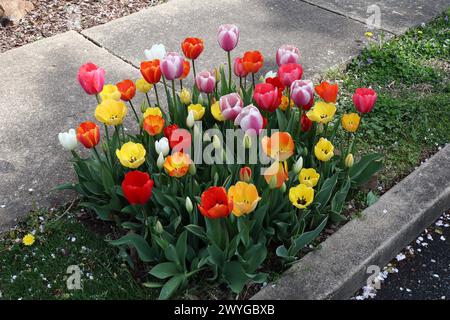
x=151 y=71
x=327 y=91
x=192 y=47
x=276 y=174
x=88 y=134
x=186 y=69
x=279 y=146
x=127 y=89
x=252 y=61
x=153 y=124
x=177 y=164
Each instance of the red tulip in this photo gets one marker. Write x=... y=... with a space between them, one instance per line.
x=252 y=61
x=245 y=174
x=192 y=47
x=169 y=129
x=127 y=89
x=305 y=123
x=327 y=91
x=266 y=96
x=137 y=187
x=277 y=83
x=179 y=139
x=289 y=72
x=186 y=69
x=364 y=99
x=91 y=78
x=88 y=134
x=238 y=68
x=215 y=203
x=151 y=71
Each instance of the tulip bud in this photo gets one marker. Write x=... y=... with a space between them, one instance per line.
x=283 y=188
x=162 y=146
x=206 y=137
x=192 y=169
x=247 y=141
x=273 y=182
x=298 y=165
x=185 y=96
x=160 y=161
x=158 y=227
x=68 y=139
x=216 y=142
x=217 y=73
x=188 y=204
x=349 y=160
x=196 y=132
x=190 y=119
x=245 y=174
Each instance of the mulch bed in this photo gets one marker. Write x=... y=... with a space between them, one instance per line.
x=50 y=17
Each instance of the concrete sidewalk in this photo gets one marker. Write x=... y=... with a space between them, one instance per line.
x=41 y=97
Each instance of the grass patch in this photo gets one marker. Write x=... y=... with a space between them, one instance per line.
x=410 y=122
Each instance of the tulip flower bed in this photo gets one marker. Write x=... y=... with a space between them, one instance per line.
x=235 y=167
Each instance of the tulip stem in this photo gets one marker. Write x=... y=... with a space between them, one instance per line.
x=193 y=69
x=134 y=111
x=156 y=94
x=109 y=145
x=181 y=84
x=229 y=71
x=97 y=155
x=117 y=133
x=174 y=100
x=148 y=99
x=253 y=81
x=98 y=99
x=240 y=82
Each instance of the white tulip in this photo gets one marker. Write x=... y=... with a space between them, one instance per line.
x=298 y=165
x=160 y=161
x=190 y=120
x=68 y=139
x=162 y=146
x=158 y=51
x=188 y=204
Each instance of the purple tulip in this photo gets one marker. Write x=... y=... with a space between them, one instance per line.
x=250 y=120
x=172 y=66
x=228 y=36
x=302 y=91
x=231 y=105
x=205 y=82
x=287 y=54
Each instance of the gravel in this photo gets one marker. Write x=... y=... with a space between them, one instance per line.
x=50 y=17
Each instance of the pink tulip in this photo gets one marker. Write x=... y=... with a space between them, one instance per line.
x=205 y=82
x=91 y=78
x=172 y=66
x=302 y=92
x=228 y=36
x=364 y=99
x=287 y=54
x=238 y=68
x=266 y=96
x=250 y=120
x=289 y=72
x=231 y=105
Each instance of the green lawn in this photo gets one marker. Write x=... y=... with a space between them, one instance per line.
x=410 y=122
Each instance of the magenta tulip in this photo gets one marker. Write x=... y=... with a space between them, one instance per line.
x=91 y=78
x=228 y=36
x=289 y=72
x=302 y=92
x=287 y=54
x=172 y=66
x=238 y=68
x=364 y=99
x=205 y=82
x=250 y=120
x=266 y=96
x=231 y=105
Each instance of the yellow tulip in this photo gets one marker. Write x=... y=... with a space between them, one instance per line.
x=245 y=198
x=324 y=150
x=143 y=86
x=215 y=111
x=350 y=122
x=198 y=110
x=322 y=112
x=349 y=160
x=284 y=103
x=309 y=177
x=111 y=112
x=152 y=111
x=131 y=155
x=110 y=91
x=185 y=96
x=301 y=196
